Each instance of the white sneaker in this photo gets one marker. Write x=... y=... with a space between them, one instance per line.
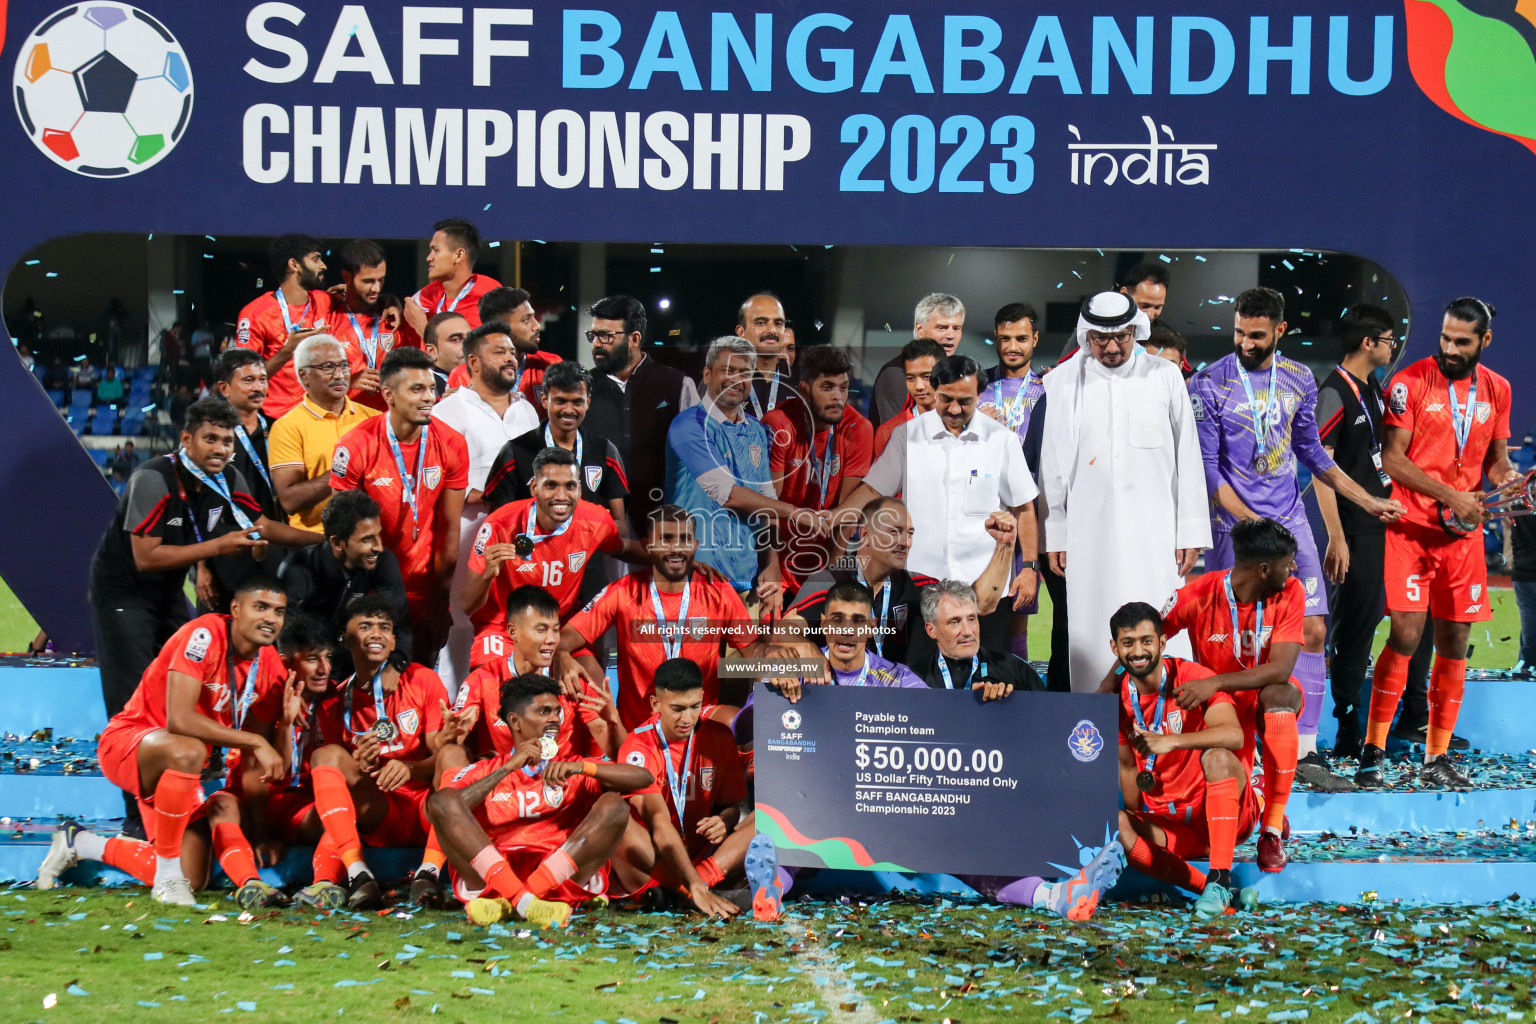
x=176 y=891
x=61 y=856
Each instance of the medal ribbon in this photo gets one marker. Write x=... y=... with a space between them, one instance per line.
x=885 y=610
x=773 y=399
x=1462 y=416
x=250 y=449
x=535 y=536
x=378 y=701
x=672 y=642
x=549 y=441
x=863 y=672
x=1237 y=633
x=219 y=487
x=370 y=345
x=244 y=696
x=1134 y=697
x=408 y=483
x=1271 y=402
x=1014 y=407
x=677 y=781
x=282 y=307
x=441 y=303
x=976 y=663
x=299 y=737
x=821 y=472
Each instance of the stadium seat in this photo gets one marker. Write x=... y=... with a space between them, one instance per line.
x=56 y=396
x=132 y=425
x=105 y=421
x=100 y=456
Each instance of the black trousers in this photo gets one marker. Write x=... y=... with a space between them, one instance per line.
x=129 y=635
x=1057 y=675
x=1358 y=605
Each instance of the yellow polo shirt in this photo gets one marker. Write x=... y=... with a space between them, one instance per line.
x=306 y=436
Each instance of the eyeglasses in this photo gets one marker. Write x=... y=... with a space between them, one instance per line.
x=604 y=336
x=329 y=369
x=1390 y=342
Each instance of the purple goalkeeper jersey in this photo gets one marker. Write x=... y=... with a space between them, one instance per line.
x=1016 y=398
x=1262 y=472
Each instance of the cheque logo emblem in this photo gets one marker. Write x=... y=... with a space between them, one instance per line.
x=1085 y=742
x=791 y=719
x=103 y=89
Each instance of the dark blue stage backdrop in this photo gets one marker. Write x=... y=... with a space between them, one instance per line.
x=1397 y=131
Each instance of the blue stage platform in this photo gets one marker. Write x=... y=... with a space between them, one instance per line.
x=1495 y=717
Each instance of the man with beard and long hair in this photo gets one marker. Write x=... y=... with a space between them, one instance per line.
x=633 y=397
x=1256 y=414
x=273 y=324
x=1447 y=426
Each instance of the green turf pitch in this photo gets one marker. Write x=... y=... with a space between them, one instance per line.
x=113 y=955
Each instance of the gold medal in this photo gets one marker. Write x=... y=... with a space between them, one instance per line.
x=548 y=747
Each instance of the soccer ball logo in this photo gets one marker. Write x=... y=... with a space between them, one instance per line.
x=103 y=89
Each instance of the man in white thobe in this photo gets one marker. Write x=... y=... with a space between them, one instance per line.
x=1126 y=507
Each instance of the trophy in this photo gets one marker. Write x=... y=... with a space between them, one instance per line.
x=1516 y=498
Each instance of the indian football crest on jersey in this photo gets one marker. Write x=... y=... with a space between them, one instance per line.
x=1173 y=721
x=409 y=721
x=755 y=455
x=707 y=778
x=577 y=560
x=698 y=627
x=1085 y=741
x=431 y=477
x=214 y=515
x=339 y=461
x=1484 y=410
x=1476 y=590
x=1288 y=400
x=554 y=795
x=1397 y=401
x=594 y=476
x=200 y=640
x=1311 y=584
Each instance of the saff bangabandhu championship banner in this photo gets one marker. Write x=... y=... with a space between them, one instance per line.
x=935 y=780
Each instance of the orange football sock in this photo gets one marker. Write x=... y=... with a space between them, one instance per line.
x=1221 y=806
x=326 y=865
x=499 y=878
x=175 y=800
x=552 y=872
x=1387 y=683
x=709 y=872
x=338 y=815
x=1156 y=862
x=1279 y=744
x=134 y=856
x=1447 y=683
x=234 y=852
x=434 y=855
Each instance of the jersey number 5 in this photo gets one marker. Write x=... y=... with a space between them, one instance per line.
x=1412 y=587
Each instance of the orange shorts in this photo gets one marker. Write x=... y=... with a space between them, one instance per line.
x=1428 y=570
x=405 y=822
x=1187 y=835
x=117 y=751
x=287 y=807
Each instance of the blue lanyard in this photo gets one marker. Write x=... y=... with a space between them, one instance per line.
x=1134 y=697
x=976 y=663
x=218 y=487
x=246 y=695
x=549 y=435
x=282 y=307
x=378 y=700
x=863 y=672
x=1262 y=417
x=462 y=292
x=1237 y=633
x=250 y=449
x=672 y=639
x=408 y=483
x=370 y=345
x=1462 y=416
x=677 y=781
x=885 y=610
x=821 y=472
x=533 y=517
x=299 y=736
